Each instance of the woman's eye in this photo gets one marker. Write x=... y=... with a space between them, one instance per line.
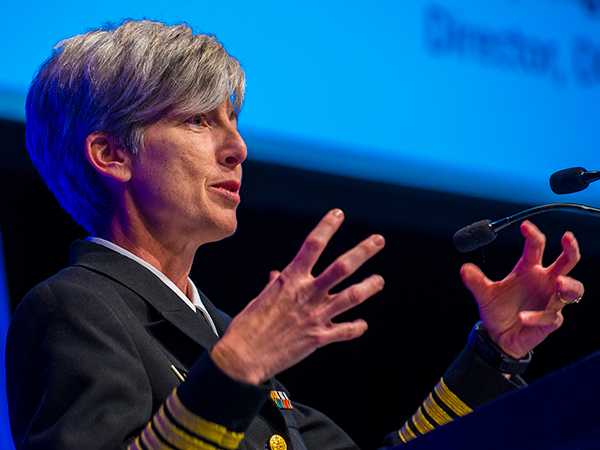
x=198 y=119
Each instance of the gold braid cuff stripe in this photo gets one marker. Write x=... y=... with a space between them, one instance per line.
x=211 y=431
x=406 y=434
x=421 y=423
x=135 y=445
x=176 y=436
x=151 y=440
x=435 y=411
x=451 y=400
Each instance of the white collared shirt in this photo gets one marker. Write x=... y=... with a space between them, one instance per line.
x=196 y=301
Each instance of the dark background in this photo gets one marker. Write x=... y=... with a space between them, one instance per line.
x=417 y=325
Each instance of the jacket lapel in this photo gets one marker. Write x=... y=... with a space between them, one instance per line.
x=193 y=325
x=220 y=319
x=148 y=286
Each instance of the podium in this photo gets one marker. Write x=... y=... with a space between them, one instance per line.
x=558 y=412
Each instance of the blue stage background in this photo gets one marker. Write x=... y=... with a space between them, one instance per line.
x=461 y=96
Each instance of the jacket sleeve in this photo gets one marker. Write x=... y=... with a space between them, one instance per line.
x=77 y=381
x=467 y=384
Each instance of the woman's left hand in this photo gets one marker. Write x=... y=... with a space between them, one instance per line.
x=521 y=310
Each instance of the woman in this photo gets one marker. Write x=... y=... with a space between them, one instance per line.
x=134 y=129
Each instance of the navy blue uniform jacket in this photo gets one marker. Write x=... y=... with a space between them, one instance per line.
x=92 y=360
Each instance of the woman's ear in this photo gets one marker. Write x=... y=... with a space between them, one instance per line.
x=108 y=157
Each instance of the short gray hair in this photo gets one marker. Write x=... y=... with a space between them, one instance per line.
x=119 y=80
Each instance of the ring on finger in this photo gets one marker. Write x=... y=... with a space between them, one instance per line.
x=568 y=302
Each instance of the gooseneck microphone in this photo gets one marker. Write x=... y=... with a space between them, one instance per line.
x=480 y=234
x=573 y=179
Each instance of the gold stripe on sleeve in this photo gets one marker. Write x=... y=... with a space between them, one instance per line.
x=213 y=432
x=401 y=436
x=151 y=441
x=135 y=445
x=407 y=433
x=421 y=423
x=435 y=411
x=177 y=437
x=451 y=400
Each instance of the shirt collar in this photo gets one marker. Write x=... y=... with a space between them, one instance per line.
x=195 y=302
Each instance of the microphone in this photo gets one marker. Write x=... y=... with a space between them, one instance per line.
x=571 y=180
x=483 y=232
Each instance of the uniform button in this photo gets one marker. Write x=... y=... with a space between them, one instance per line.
x=277 y=442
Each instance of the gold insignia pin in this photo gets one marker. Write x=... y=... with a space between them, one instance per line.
x=277 y=442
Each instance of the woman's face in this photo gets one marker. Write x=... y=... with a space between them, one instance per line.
x=187 y=176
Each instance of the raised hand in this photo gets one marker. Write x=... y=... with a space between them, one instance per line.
x=522 y=309
x=292 y=316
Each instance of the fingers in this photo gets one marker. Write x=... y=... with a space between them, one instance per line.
x=353 y=295
x=349 y=262
x=569 y=256
x=346 y=331
x=535 y=242
x=316 y=241
x=550 y=320
x=568 y=289
x=475 y=280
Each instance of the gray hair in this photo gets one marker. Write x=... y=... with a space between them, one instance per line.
x=119 y=80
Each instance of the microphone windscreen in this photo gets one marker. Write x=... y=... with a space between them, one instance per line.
x=567 y=181
x=474 y=236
